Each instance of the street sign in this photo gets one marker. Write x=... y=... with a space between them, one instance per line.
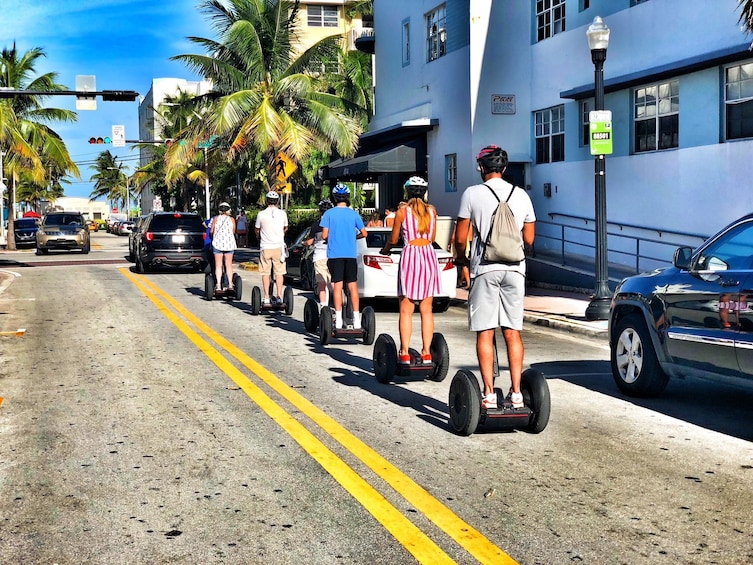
x=601 y=131
x=86 y=83
x=118 y=136
x=207 y=143
x=284 y=167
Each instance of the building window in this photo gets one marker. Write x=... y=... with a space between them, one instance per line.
x=738 y=101
x=436 y=33
x=406 y=43
x=584 y=5
x=322 y=16
x=634 y=2
x=451 y=172
x=550 y=135
x=585 y=123
x=550 y=17
x=656 y=114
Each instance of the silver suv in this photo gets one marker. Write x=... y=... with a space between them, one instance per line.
x=64 y=231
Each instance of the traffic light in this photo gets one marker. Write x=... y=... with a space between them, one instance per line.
x=99 y=140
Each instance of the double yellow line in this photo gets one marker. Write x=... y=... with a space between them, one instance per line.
x=407 y=533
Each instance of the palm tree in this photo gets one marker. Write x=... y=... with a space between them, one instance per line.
x=746 y=14
x=110 y=181
x=265 y=99
x=35 y=151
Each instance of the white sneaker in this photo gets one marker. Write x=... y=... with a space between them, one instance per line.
x=516 y=398
x=338 y=319
x=357 y=320
x=265 y=301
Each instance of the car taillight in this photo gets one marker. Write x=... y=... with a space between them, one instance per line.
x=149 y=236
x=446 y=263
x=376 y=261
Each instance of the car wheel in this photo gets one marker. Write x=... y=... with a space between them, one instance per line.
x=635 y=367
x=87 y=247
x=440 y=305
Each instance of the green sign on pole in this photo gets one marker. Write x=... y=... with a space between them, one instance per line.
x=601 y=132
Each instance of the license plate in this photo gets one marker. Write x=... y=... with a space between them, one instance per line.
x=179 y=239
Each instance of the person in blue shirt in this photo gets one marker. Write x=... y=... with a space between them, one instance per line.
x=341 y=226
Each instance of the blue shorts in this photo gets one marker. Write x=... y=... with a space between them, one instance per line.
x=343 y=269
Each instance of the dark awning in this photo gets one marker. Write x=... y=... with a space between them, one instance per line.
x=399 y=159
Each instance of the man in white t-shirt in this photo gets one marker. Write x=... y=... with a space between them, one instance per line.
x=497 y=289
x=271 y=225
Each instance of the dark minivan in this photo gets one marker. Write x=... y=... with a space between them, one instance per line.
x=173 y=239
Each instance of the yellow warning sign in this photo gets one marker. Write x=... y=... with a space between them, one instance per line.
x=284 y=167
x=284 y=187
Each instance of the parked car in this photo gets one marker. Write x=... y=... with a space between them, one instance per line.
x=694 y=318
x=124 y=228
x=25 y=231
x=92 y=225
x=63 y=231
x=174 y=239
x=299 y=265
x=137 y=224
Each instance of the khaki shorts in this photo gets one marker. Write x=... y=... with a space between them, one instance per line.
x=270 y=260
x=496 y=301
x=322 y=272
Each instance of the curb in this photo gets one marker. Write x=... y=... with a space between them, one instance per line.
x=563 y=324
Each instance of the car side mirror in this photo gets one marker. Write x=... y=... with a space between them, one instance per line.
x=682 y=258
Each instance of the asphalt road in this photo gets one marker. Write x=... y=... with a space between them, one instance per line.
x=143 y=424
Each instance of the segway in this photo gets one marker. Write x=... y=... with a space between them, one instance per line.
x=286 y=305
x=386 y=364
x=327 y=330
x=210 y=286
x=467 y=414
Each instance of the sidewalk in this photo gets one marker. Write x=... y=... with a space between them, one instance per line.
x=557 y=309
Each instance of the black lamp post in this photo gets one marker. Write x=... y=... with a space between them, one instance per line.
x=598 y=308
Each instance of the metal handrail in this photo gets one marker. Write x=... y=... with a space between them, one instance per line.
x=568 y=242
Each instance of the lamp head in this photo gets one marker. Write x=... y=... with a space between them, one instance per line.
x=598 y=35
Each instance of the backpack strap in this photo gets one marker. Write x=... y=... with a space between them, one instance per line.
x=495 y=194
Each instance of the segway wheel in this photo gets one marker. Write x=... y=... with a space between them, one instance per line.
x=465 y=403
x=287 y=299
x=238 y=284
x=440 y=355
x=311 y=315
x=255 y=301
x=535 y=391
x=385 y=358
x=208 y=286
x=325 y=326
x=368 y=323
x=347 y=305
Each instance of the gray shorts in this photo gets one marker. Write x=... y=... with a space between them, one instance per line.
x=496 y=300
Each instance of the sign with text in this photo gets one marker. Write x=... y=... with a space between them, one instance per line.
x=503 y=103
x=600 y=124
x=118 y=136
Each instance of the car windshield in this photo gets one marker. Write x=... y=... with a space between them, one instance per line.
x=25 y=223
x=378 y=239
x=175 y=222
x=62 y=219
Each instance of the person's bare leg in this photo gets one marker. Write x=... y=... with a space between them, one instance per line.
x=218 y=269
x=514 y=356
x=427 y=324
x=405 y=323
x=485 y=354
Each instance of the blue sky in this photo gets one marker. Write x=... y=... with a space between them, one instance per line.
x=124 y=43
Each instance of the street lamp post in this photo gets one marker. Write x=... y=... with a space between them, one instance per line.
x=598 y=308
x=3 y=188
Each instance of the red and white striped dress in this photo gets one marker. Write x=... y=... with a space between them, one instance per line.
x=419 y=268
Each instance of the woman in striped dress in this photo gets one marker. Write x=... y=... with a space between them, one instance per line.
x=418 y=279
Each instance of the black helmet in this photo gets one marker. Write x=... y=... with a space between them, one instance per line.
x=325 y=205
x=416 y=187
x=492 y=159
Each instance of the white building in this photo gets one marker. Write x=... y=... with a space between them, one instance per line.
x=91 y=209
x=453 y=76
x=150 y=127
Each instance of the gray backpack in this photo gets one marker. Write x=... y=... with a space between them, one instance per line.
x=504 y=242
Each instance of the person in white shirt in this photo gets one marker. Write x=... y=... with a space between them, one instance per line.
x=271 y=225
x=223 y=244
x=241 y=229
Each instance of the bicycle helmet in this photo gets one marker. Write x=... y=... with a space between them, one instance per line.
x=325 y=205
x=492 y=159
x=224 y=207
x=272 y=197
x=416 y=187
x=340 y=193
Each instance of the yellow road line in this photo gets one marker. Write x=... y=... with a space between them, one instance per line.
x=407 y=533
x=463 y=533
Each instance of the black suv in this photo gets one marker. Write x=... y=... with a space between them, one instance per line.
x=694 y=318
x=25 y=231
x=173 y=239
